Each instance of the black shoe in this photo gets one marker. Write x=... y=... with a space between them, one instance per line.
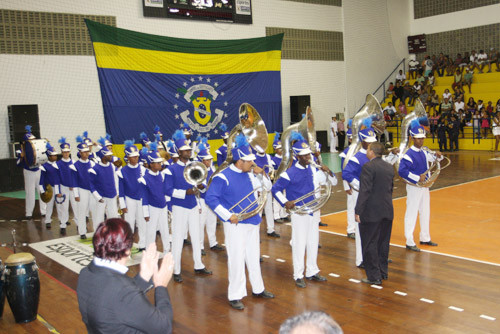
x=48 y=226
x=279 y=221
x=273 y=234
x=367 y=281
x=187 y=242
x=142 y=249
x=413 y=248
x=361 y=265
x=236 y=304
x=68 y=223
x=287 y=219
x=300 y=283
x=261 y=259
x=385 y=277
x=28 y=217
x=322 y=224
x=351 y=235
x=217 y=247
x=43 y=216
x=264 y=294
x=389 y=260
x=178 y=278
x=62 y=231
x=87 y=219
x=319 y=246
x=203 y=271
x=203 y=253
x=428 y=243
x=317 y=278
x=83 y=236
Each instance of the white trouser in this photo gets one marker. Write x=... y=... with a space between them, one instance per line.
x=134 y=215
x=333 y=143
x=359 y=249
x=208 y=219
x=49 y=209
x=109 y=206
x=268 y=209
x=417 y=204
x=158 y=220
x=183 y=218
x=31 y=181
x=351 y=204
x=243 y=247
x=305 y=236
x=63 y=209
x=278 y=211
x=86 y=204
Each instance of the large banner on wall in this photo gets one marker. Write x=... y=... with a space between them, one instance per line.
x=149 y=80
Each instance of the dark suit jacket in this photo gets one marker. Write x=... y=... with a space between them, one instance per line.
x=375 y=191
x=111 y=302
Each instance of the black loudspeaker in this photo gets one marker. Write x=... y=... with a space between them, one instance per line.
x=11 y=178
x=298 y=105
x=322 y=138
x=20 y=116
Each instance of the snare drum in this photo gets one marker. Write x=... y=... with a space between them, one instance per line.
x=34 y=152
x=22 y=286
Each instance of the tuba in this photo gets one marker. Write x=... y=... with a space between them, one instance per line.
x=373 y=110
x=253 y=127
x=321 y=194
x=195 y=173
x=435 y=168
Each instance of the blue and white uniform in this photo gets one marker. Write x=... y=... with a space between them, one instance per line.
x=50 y=175
x=414 y=163
x=66 y=171
x=261 y=160
x=221 y=154
x=103 y=187
x=31 y=180
x=208 y=217
x=351 y=199
x=81 y=190
x=298 y=181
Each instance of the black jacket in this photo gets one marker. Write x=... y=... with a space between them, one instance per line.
x=375 y=191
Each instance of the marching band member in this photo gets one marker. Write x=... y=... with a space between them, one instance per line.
x=103 y=187
x=300 y=179
x=263 y=160
x=31 y=179
x=185 y=209
x=316 y=156
x=83 y=195
x=145 y=140
x=280 y=214
x=412 y=168
x=242 y=237
x=222 y=151
x=143 y=157
x=207 y=217
x=114 y=159
x=351 y=200
x=92 y=156
x=66 y=172
x=154 y=200
x=172 y=151
x=351 y=174
x=50 y=175
x=129 y=191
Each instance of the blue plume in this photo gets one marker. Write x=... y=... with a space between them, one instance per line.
x=202 y=146
x=27 y=128
x=79 y=139
x=170 y=144
x=178 y=135
x=129 y=143
x=276 y=136
x=158 y=137
x=204 y=140
x=367 y=122
x=49 y=147
x=144 y=151
x=423 y=121
x=153 y=146
x=349 y=124
x=296 y=136
x=62 y=140
x=414 y=124
x=143 y=135
x=241 y=140
x=108 y=136
x=102 y=141
x=157 y=128
x=223 y=127
x=85 y=134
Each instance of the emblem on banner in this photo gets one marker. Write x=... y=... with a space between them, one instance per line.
x=203 y=102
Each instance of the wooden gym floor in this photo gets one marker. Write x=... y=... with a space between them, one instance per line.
x=452 y=288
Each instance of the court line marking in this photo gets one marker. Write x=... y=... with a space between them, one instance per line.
x=280 y=260
x=404 y=294
x=433 y=190
x=428 y=251
x=425 y=300
x=454 y=308
x=487 y=317
x=354 y=280
x=266 y=256
x=333 y=275
x=376 y=286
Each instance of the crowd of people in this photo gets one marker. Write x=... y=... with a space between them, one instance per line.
x=448 y=114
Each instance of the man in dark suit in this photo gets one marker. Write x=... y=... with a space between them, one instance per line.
x=374 y=213
x=112 y=302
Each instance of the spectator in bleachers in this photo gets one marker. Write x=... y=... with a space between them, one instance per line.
x=413 y=67
x=401 y=110
x=449 y=65
x=466 y=59
x=462 y=119
x=457 y=94
x=457 y=80
x=390 y=89
x=476 y=126
x=391 y=111
x=485 y=122
x=446 y=107
x=496 y=125
x=468 y=78
x=482 y=60
x=441 y=65
x=433 y=100
x=427 y=64
x=490 y=109
x=494 y=59
x=424 y=96
x=420 y=79
x=480 y=105
x=431 y=80
x=433 y=122
x=447 y=94
x=415 y=93
x=473 y=58
x=407 y=92
x=459 y=104
x=398 y=93
x=456 y=63
x=471 y=106
x=400 y=76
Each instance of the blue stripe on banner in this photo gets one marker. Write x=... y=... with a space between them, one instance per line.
x=137 y=101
